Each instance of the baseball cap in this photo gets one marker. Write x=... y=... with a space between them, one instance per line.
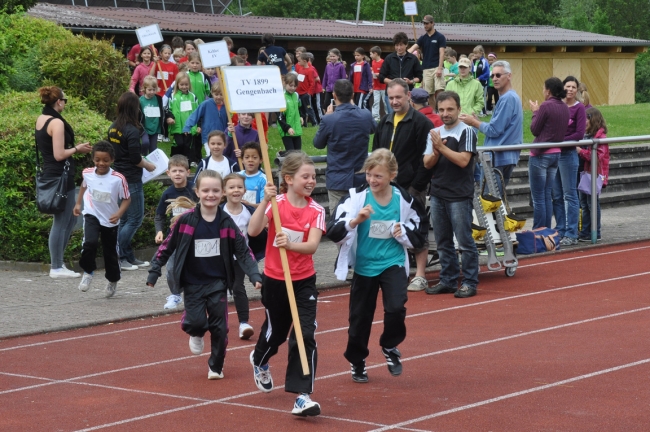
x=419 y=96
x=464 y=62
x=427 y=19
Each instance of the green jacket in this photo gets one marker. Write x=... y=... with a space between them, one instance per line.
x=181 y=115
x=290 y=118
x=199 y=85
x=470 y=91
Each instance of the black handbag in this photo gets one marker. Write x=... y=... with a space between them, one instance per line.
x=51 y=192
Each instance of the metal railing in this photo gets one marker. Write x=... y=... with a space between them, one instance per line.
x=593 y=143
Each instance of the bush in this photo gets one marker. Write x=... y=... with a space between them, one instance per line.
x=23 y=230
x=642 y=72
x=87 y=68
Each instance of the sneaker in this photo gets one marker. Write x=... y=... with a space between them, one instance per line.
x=110 y=289
x=393 y=360
x=440 y=288
x=245 y=331
x=196 y=344
x=418 y=283
x=138 y=263
x=173 y=301
x=63 y=273
x=359 y=373
x=85 y=282
x=465 y=292
x=304 y=406
x=587 y=239
x=488 y=113
x=568 y=241
x=262 y=375
x=212 y=375
x=193 y=165
x=481 y=114
x=125 y=265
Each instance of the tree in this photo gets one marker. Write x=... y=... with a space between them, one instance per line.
x=16 y=6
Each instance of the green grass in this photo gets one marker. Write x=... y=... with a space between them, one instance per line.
x=622 y=120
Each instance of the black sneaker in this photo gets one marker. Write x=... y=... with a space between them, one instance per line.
x=440 y=289
x=393 y=360
x=465 y=292
x=359 y=372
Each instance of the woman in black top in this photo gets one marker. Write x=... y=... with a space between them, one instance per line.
x=125 y=134
x=55 y=141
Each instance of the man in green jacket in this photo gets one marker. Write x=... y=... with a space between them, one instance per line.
x=468 y=88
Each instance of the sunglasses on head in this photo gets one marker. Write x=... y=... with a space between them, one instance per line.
x=497 y=75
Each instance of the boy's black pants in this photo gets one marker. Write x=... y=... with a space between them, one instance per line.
x=277 y=324
x=211 y=299
x=183 y=145
x=92 y=231
x=306 y=110
x=240 y=296
x=363 y=301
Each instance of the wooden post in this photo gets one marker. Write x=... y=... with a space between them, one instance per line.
x=415 y=35
x=159 y=68
x=283 y=253
x=234 y=135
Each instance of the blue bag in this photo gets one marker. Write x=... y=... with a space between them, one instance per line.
x=538 y=240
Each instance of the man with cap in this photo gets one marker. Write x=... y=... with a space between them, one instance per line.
x=468 y=88
x=420 y=102
x=432 y=45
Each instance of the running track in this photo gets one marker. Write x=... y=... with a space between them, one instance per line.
x=563 y=345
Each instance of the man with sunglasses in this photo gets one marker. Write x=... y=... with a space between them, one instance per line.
x=432 y=45
x=507 y=124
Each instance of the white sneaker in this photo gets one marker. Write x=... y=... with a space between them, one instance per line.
x=110 y=289
x=125 y=265
x=418 y=283
x=196 y=345
x=262 y=376
x=85 y=282
x=245 y=331
x=173 y=301
x=214 y=375
x=63 y=273
x=304 y=406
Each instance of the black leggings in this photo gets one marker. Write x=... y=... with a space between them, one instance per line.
x=292 y=142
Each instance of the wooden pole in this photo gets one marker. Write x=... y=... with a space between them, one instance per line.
x=283 y=253
x=415 y=35
x=162 y=76
x=234 y=135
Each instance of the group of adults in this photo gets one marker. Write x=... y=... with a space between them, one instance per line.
x=55 y=139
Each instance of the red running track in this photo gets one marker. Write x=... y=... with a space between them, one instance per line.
x=563 y=345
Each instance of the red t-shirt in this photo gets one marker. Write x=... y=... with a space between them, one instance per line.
x=357 y=69
x=376 y=67
x=134 y=53
x=296 y=222
x=306 y=78
x=168 y=75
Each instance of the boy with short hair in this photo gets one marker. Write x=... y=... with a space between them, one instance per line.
x=254 y=178
x=306 y=79
x=178 y=170
x=378 y=88
x=450 y=57
x=243 y=53
x=102 y=189
x=230 y=44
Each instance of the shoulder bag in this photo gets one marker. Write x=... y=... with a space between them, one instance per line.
x=51 y=192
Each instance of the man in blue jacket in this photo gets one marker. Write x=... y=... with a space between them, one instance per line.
x=345 y=131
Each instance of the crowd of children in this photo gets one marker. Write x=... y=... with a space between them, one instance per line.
x=213 y=229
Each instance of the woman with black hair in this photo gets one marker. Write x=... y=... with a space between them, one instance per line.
x=125 y=134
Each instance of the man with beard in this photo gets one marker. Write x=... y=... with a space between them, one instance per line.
x=450 y=153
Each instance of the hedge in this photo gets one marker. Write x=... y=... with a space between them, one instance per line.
x=24 y=231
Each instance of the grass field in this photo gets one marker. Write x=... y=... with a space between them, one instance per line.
x=622 y=120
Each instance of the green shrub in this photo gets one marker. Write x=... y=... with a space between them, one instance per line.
x=23 y=230
x=88 y=68
x=642 y=72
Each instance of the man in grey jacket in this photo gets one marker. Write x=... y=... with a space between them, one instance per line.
x=345 y=131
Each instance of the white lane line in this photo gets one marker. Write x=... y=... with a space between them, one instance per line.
x=145 y=327
x=513 y=395
x=321 y=297
x=337 y=374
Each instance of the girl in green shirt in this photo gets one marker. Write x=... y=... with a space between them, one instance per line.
x=182 y=105
x=289 y=120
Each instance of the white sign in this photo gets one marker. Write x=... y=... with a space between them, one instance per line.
x=214 y=54
x=158 y=158
x=149 y=35
x=410 y=8
x=253 y=89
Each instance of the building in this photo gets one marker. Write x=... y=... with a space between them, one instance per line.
x=605 y=63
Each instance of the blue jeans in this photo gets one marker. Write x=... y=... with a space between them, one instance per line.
x=131 y=221
x=451 y=218
x=585 y=206
x=379 y=96
x=542 y=170
x=565 y=195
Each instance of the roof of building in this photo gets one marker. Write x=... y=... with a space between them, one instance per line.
x=171 y=22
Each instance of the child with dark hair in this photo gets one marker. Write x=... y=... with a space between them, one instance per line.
x=251 y=154
x=289 y=120
x=105 y=194
x=305 y=89
x=243 y=54
x=361 y=77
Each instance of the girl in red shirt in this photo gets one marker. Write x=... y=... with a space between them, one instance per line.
x=164 y=70
x=303 y=224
